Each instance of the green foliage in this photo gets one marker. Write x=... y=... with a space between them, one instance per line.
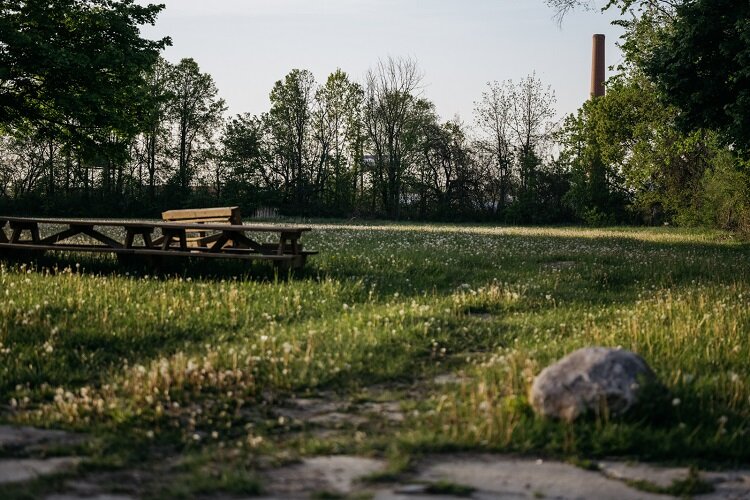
x=722 y=199
x=141 y=135
x=197 y=111
x=337 y=127
x=210 y=482
x=245 y=150
x=541 y=199
x=75 y=67
x=701 y=66
x=595 y=147
x=655 y=147
x=629 y=161
x=289 y=119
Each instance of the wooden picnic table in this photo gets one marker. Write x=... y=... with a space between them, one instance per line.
x=232 y=240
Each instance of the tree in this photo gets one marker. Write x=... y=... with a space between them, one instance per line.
x=75 y=66
x=701 y=66
x=445 y=179
x=390 y=100
x=530 y=125
x=683 y=89
x=533 y=109
x=493 y=119
x=563 y=7
x=626 y=155
x=197 y=114
x=246 y=154
x=595 y=147
x=290 y=116
x=337 y=130
x=697 y=52
x=155 y=127
x=24 y=160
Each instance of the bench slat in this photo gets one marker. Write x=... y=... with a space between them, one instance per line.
x=206 y=220
x=230 y=214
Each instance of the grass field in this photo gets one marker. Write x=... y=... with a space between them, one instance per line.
x=448 y=323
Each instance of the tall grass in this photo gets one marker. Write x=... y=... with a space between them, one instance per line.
x=196 y=358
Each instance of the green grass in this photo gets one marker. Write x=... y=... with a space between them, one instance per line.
x=195 y=362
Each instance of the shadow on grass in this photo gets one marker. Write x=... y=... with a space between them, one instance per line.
x=165 y=268
x=602 y=270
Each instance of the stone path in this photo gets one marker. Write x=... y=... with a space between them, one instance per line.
x=477 y=476
x=727 y=484
x=24 y=449
x=33 y=440
x=485 y=477
x=335 y=475
x=17 y=470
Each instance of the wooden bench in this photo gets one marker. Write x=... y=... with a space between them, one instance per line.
x=221 y=215
x=227 y=241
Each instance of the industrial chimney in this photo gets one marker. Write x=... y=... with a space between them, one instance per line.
x=597 y=66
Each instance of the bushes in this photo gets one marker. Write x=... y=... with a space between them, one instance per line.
x=723 y=199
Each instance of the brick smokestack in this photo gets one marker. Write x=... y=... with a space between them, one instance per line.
x=597 y=66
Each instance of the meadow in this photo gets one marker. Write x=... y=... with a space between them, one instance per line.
x=442 y=327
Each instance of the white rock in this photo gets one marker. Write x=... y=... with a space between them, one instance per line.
x=594 y=379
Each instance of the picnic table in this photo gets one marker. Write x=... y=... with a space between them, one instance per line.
x=158 y=239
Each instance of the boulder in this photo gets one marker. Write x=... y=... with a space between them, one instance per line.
x=594 y=379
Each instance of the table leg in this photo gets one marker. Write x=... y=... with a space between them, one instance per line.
x=167 y=239
x=100 y=237
x=219 y=244
x=147 y=238
x=131 y=233
x=172 y=234
x=15 y=236
x=241 y=241
x=62 y=235
x=129 y=237
x=34 y=229
x=289 y=241
x=19 y=228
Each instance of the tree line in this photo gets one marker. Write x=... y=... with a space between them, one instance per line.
x=339 y=148
x=93 y=121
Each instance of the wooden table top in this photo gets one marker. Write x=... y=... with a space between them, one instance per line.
x=160 y=225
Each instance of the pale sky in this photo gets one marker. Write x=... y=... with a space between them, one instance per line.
x=247 y=45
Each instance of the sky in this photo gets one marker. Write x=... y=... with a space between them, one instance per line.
x=460 y=45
